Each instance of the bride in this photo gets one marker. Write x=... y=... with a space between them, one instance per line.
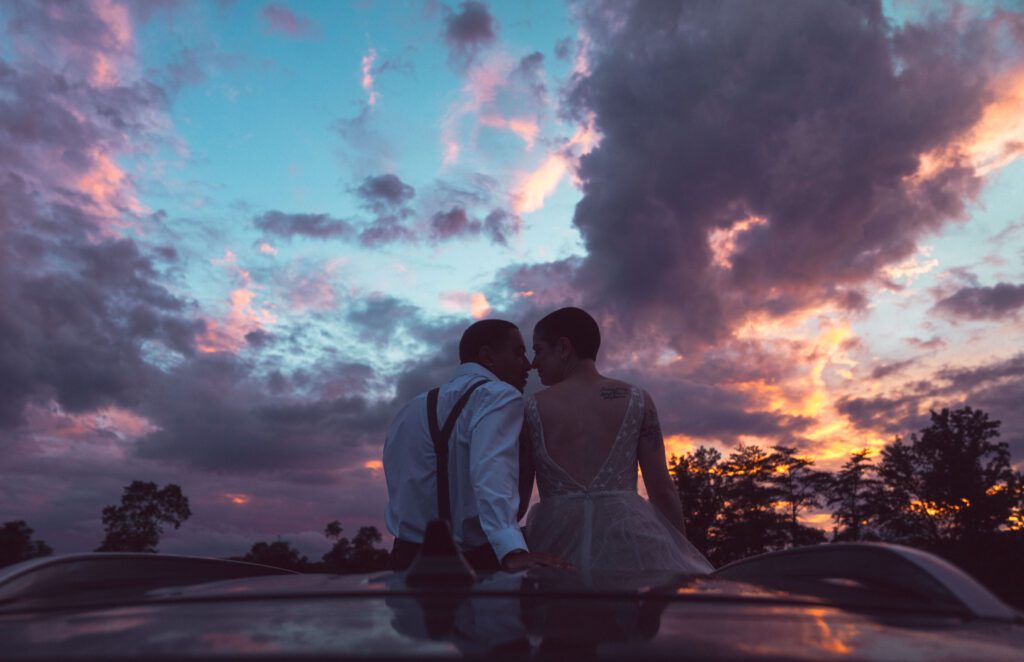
x=587 y=434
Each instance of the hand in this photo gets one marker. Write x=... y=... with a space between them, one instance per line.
x=520 y=559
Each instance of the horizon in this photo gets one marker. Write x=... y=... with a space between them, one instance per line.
x=236 y=237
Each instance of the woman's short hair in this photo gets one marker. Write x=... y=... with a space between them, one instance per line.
x=485 y=333
x=575 y=324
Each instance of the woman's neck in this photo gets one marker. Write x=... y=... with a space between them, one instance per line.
x=582 y=370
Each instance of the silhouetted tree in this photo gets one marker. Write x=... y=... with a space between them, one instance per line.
x=279 y=554
x=699 y=479
x=16 y=543
x=749 y=523
x=136 y=525
x=853 y=495
x=798 y=489
x=358 y=555
x=952 y=483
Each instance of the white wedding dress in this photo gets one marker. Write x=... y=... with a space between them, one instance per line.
x=604 y=528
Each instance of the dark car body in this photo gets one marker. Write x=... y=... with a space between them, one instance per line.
x=852 y=601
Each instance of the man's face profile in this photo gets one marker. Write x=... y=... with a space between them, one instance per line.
x=508 y=360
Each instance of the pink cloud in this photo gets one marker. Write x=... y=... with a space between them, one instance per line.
x=280 y=19
x=228 y=334
x=524 y=127
x=367 y=80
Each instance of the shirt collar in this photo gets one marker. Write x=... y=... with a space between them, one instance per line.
x=473 y=370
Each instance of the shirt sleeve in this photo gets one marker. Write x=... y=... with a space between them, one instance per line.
x=494 y=469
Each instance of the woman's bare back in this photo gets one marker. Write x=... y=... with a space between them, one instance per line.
x=581 y=419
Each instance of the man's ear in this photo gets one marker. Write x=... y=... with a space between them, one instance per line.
x=485 y=356
x=565 y=346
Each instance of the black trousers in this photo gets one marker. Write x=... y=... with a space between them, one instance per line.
x=480 y=558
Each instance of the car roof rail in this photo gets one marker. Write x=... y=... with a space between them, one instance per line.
x=106 y=572
x=898 y=568
x=439 y=563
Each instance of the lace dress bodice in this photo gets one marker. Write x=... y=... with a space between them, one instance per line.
x=604 y=528
x=619 y=470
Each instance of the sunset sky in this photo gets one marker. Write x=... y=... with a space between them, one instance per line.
x=236 y=236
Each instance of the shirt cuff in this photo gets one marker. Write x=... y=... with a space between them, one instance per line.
x=506 y=540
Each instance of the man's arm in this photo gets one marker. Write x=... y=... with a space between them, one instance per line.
x=494 y=469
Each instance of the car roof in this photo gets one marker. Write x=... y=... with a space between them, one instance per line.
x=873 y=601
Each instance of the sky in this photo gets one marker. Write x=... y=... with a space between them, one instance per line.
x=235 y=237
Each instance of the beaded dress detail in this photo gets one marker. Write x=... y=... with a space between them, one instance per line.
x=604 y=527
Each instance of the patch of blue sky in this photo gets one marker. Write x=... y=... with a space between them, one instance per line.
x=968 y=246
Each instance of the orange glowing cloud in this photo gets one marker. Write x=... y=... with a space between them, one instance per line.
x=525 y=128
x=475 y=303
x=995 y=141
x=537 y=186
x=237 y=498
x=267 y=249
x=722 y=241
x=373 y=465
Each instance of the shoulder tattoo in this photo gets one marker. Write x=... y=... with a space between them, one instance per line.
x=614 y=392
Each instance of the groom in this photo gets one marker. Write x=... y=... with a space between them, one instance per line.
x=474 y=420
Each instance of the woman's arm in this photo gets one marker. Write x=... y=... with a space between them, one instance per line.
x=661 y=490
x=526 y=472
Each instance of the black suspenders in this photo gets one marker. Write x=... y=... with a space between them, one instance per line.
x=440 y=437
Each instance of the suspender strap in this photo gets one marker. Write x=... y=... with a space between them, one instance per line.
x=440 y=437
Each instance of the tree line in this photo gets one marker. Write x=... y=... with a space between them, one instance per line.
x=950 y=489
x=137 y=524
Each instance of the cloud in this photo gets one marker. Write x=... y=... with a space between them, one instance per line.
x=366 y=66
x=281 y=20
x=530 y=71
x=453 y=223
x=752 y=126
x=317 y=226
x=468 y=31
x=1000 y=300
x=994 y=387
x=384 y=193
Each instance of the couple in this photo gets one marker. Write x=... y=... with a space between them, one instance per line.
x=582 y=437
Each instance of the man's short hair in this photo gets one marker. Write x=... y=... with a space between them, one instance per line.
x=575 y=324
x=485 y=333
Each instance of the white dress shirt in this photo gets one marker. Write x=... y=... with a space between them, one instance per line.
x=483 y=464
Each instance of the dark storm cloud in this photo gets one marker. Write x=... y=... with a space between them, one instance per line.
x=694 y=408
x=214 y=413
x=811 y=115
x=499 y=225
x=887 y=369
x=384 y=192
x=78 y=309
x=995 y=387
x=468 y=31
x=453 y=223
x=970 y=378
x=318 y=226
x=76 y=333
x=993 y=302
x=378 y=318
